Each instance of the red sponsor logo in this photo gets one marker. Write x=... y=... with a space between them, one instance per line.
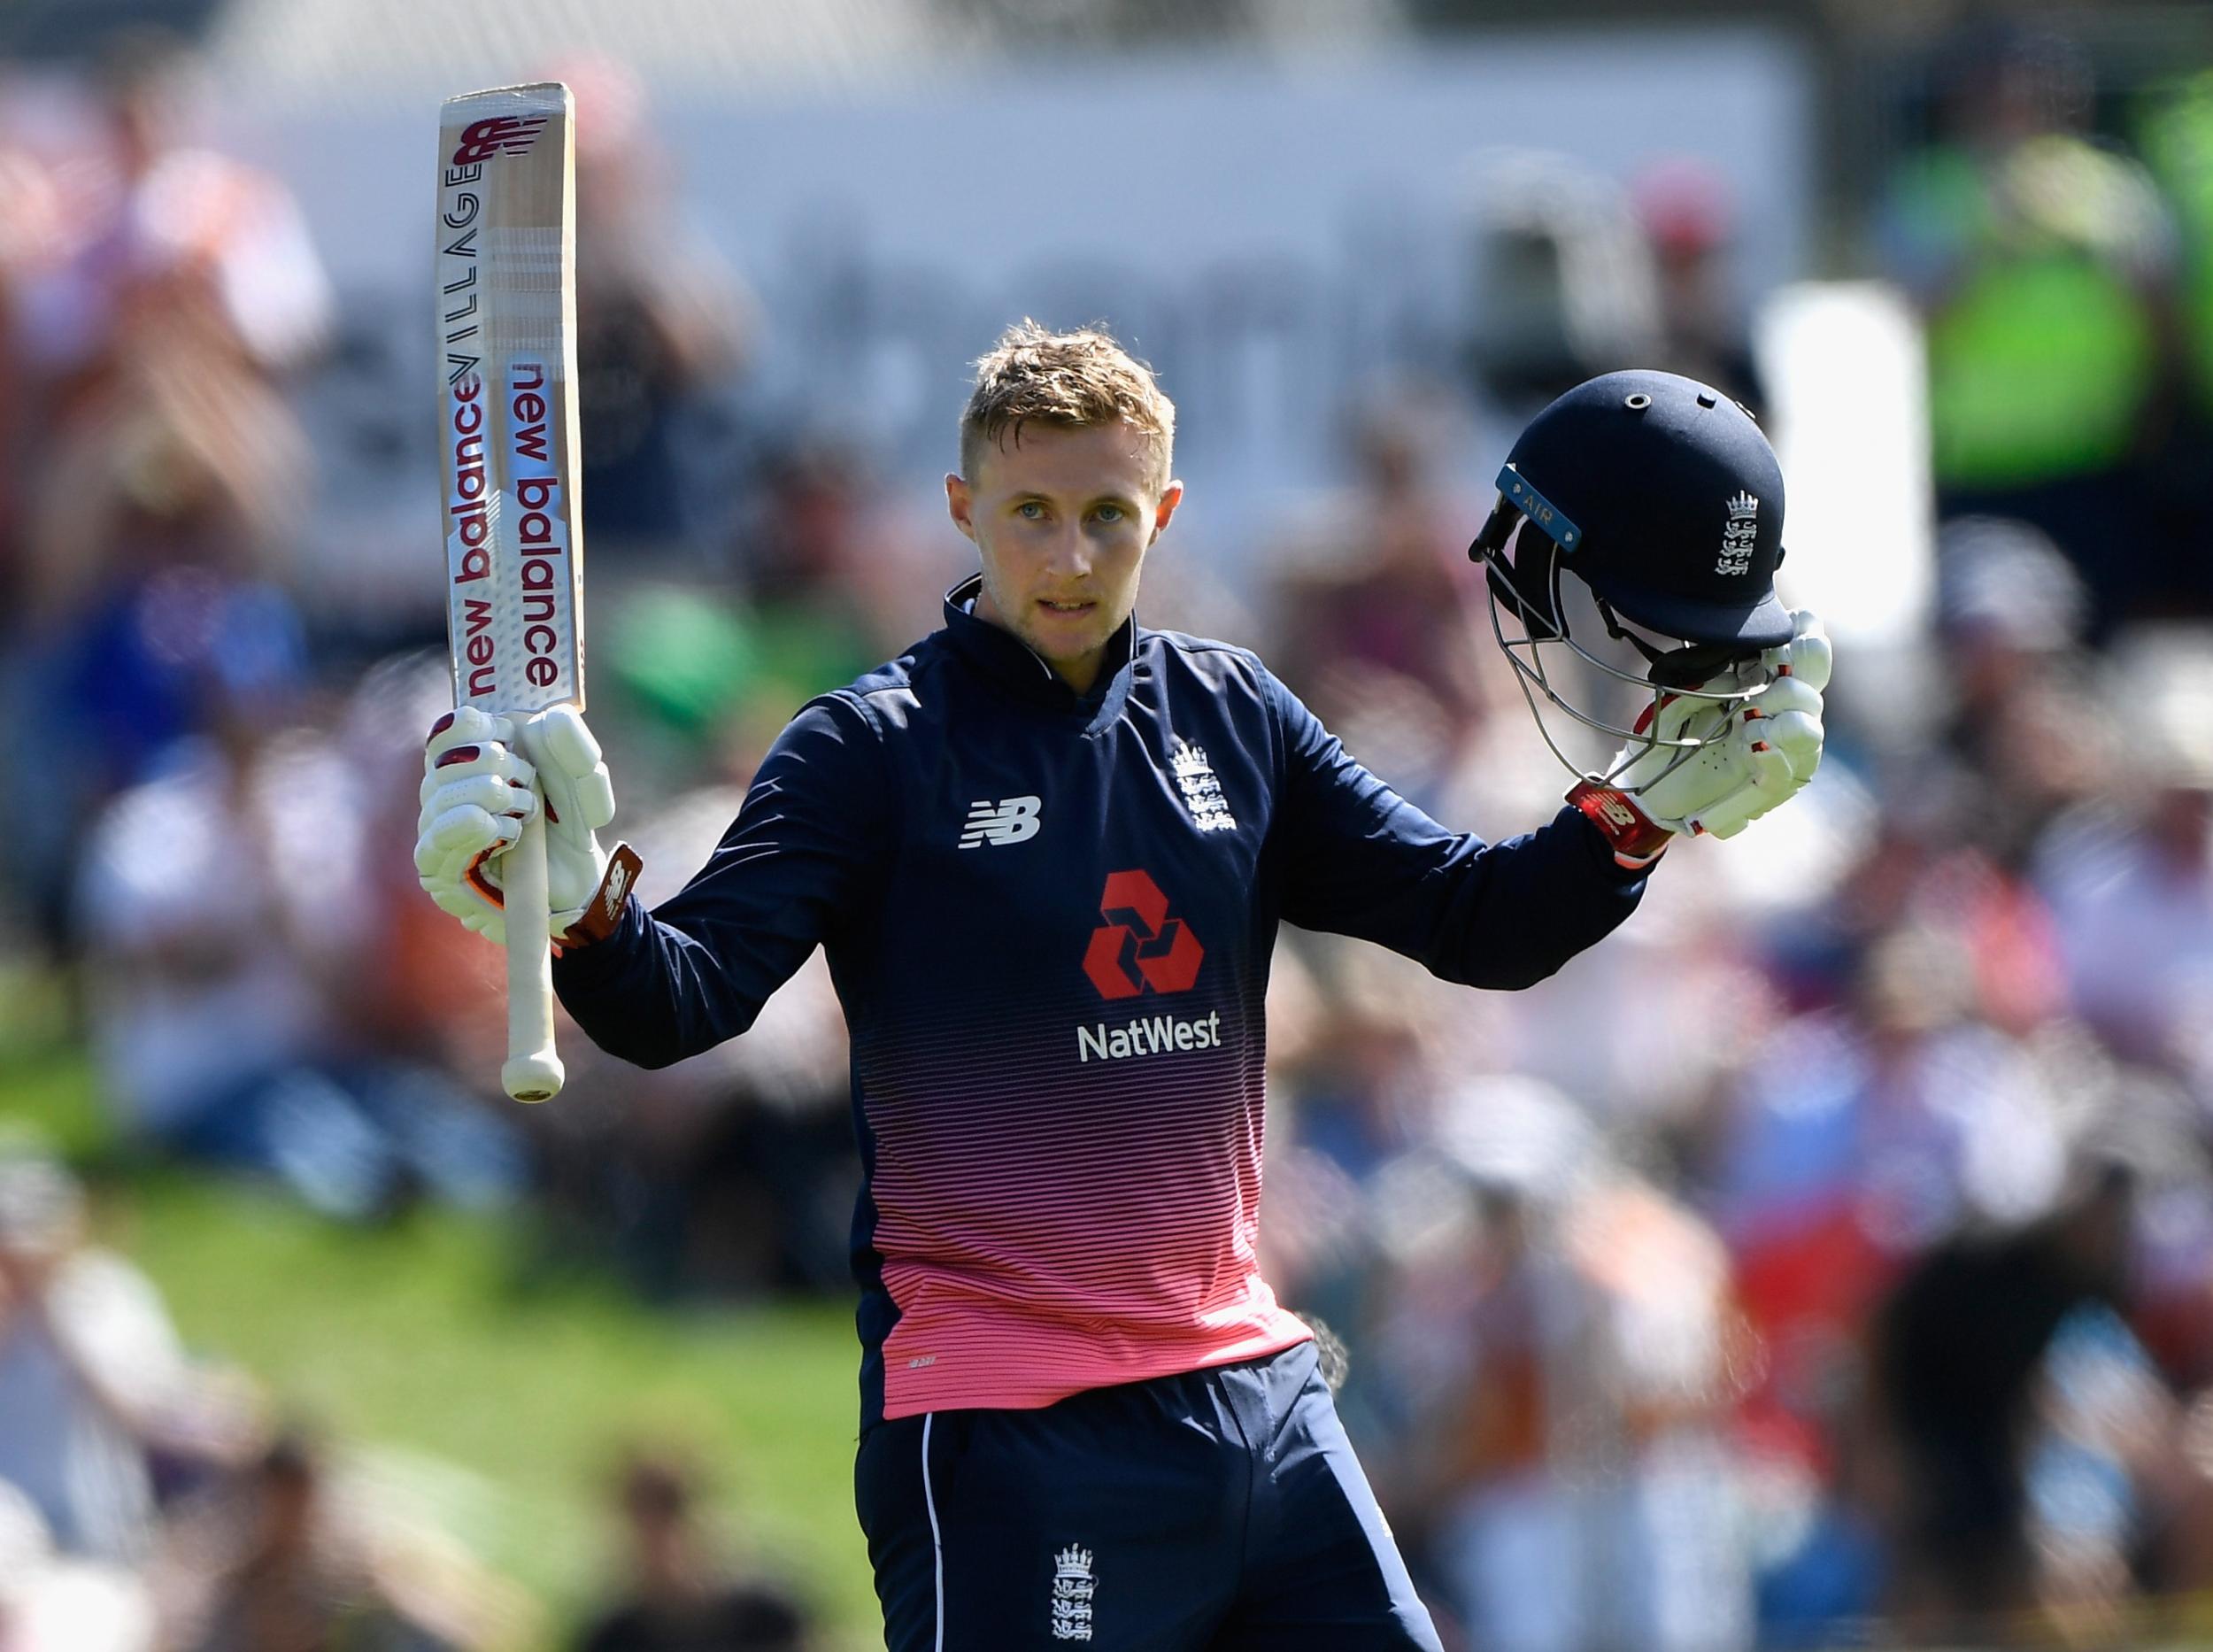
x=497 y=134
x=1139 y=948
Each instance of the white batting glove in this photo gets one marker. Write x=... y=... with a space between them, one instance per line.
x=1758 y=754
x=477 y=793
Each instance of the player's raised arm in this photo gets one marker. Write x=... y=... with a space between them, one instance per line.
x=1631 y=556
x=811 y=839
x=654 y=988
x=1357 y=858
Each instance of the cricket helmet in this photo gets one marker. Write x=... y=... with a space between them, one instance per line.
x=1663 y=499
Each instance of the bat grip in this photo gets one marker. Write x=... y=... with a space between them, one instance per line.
x=532 y=1069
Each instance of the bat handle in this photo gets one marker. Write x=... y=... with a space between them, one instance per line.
x=532 y=1069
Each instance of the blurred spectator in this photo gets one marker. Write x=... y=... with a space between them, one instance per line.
x=678 y=1598
x=731 y=1174
x=2177 y=137
x=819 y=550
x=183 y=462
x=820 y=577
x=1561 y=280
x=30 y=225
x=2130 y=882
x=1689 y=217
x=165 y=476
x=168 y=241
x=2044 y=263
x=49 y=1603
x=418 y=995
x=158 y=563
x=1958 y=1348
x=2008 y=606
x=290 y=1561
x=286 y=1589
x=93 y=1378
x=1860 y=1136
x=1565 y=1341
x=226 y=905
x=1378 y=622
x=661 y=320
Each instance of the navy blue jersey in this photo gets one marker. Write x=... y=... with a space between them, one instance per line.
x=1049 y=918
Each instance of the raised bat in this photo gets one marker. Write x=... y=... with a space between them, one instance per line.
x=506 y=316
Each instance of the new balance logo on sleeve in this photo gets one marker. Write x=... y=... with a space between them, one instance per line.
x=1013 y=820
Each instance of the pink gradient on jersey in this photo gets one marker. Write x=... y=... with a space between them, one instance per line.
x=1062 y=1226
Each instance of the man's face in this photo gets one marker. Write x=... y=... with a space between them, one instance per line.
x=1062 y=519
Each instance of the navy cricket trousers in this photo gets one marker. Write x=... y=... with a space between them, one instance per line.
x=1219 y=1511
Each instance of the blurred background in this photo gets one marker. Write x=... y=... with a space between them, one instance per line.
x=1827 y=1260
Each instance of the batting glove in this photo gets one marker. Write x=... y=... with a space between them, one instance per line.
x=478 y=790
x=1757 y=754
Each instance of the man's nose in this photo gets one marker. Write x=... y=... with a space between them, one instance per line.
x=1070 y=552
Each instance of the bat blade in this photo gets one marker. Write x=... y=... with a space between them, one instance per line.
x=505 y=293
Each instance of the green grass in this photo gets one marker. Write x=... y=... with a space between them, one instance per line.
x=45 y=1085
x=502 y=1405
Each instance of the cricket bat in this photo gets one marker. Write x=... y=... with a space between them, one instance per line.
x=507 y=313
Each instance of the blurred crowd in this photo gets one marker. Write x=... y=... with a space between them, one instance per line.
x=1834 y=1247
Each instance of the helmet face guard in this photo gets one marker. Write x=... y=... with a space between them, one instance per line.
x=1524 y=563
x=1663 y=499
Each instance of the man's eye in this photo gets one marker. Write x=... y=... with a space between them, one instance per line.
x=1031 y=511
x=1109 y=513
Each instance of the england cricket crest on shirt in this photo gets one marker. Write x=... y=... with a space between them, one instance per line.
x=1072 y=1587
x=1202 y=791
x=1737 y=538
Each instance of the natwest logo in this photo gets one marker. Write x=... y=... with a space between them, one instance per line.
x=1139 y=948
x=500 y=134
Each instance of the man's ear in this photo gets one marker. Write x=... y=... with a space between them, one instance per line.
x=960 y=504
x=1169 y=500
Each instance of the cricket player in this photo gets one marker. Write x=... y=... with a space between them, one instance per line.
x=1047 y=849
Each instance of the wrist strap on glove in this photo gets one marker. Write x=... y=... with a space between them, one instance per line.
x=603 y=910
x=1634 y=839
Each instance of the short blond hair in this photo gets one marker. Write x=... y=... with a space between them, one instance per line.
x=1070 y=381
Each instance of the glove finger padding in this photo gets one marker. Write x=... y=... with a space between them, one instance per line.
x=492 y=762
x=1674 y=719
x=1798 y=738
x=1767 y=783
x=490 y=794
x=1755 y=752
x=476 y=794
x=579 y=799
x=1775 y=757
x=466 y=725
x=1787 y=717
x=568 y=761
x=1808 y=656
x=467 y=907
x=457 y=835
x=1771 y=748
x=1669 y=784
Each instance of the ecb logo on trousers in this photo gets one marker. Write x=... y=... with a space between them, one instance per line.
x=1072 y=1587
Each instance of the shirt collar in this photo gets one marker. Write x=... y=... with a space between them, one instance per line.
x=1007 y=660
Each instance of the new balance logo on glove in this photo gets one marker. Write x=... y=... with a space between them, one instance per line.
x=1014 y=821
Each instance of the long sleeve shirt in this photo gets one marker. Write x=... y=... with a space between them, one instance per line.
x=1049 y=917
